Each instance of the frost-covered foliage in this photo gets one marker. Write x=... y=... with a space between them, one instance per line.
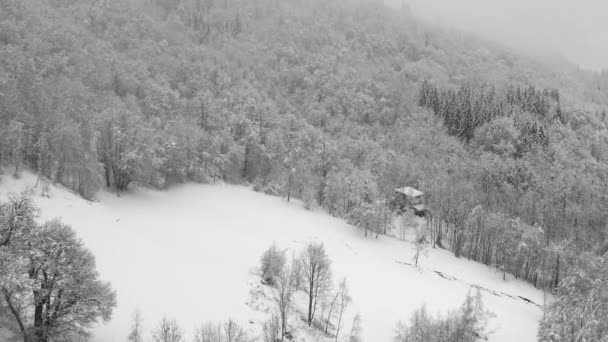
x=467 y=324
x=273 y=262
x=16 y=219
x=48 y=280
x=580 y=309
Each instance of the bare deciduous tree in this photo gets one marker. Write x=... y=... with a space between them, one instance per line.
x=330 y=312
x=316 y=272
x=136 y=332
x=344 y=300
x=209 y=332
x=355 y=330
x=230 y=331
x=168 y=331
x=282 y=295
x=234 y=332
x=296 y=273
x=420 y=242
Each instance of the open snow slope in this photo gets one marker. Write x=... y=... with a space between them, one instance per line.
x=188 y=253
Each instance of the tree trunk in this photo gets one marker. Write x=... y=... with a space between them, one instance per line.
x=339 y=323
x=203 y=116
x=283 y=322
x=289 y=187
x=331 y=308
x=107 y=169
x=39 y=329
x=556 y=282
x=310 y=298
x=246 y=161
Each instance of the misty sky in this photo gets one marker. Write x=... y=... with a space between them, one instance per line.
x=576 y=29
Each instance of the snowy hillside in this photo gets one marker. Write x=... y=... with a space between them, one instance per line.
x=206 y=241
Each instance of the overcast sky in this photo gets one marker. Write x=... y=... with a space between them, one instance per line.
x=576 y=29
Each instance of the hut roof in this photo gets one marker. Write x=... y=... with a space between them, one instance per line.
x=410 y=192
x=420 y=207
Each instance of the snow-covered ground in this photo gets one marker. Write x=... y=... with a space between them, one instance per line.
x=190 y=252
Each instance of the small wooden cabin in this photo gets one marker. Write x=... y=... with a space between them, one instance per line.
x=408 y=198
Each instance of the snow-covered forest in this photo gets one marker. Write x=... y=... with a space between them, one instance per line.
x=122 y=109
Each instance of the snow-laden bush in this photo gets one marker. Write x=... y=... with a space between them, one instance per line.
x=273 y=261
x=267 y=187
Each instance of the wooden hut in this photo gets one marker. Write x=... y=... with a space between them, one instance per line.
x=408 y=198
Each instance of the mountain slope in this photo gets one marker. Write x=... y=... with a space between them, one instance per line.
x=318 y=101
x=191 y=252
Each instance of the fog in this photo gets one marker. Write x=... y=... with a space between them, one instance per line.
x=575 y=30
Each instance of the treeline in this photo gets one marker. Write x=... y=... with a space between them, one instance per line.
x=508 y=244
x=532 y=205
x=516 y=136
x=84 y=106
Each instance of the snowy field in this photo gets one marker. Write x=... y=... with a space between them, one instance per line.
x=189 y=253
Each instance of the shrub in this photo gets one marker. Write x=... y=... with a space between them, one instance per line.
x=273 y=262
